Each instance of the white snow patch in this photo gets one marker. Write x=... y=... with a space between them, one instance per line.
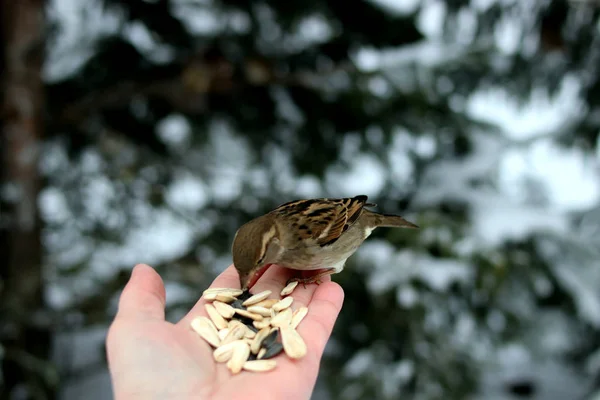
x=367 y=175
x=542 y=115
x=174 y=129
x=187 y=192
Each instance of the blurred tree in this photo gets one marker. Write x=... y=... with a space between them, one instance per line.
x=25 y=328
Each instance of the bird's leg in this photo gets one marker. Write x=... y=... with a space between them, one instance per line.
x=313 y=279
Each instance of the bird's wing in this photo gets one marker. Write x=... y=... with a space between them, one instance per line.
x=322 y=220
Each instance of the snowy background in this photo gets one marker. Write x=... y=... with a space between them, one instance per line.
x=496 y=297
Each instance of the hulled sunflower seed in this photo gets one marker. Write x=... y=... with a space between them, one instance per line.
x=265 y=323
x=298 y=316
x=258 y=297
x=293 y=344
x=210 y=296
x=272 y=351
x=289 y=288
x=247 y=314
x=224 y=309
x=261 y=353
x=283 y=318
x=260 y=365
x=229 y=291
x=244 y=328
x=265 y=312
x=268 y=303
x=250 y=334
x=283 y=304
x=205 y=328
x=258 y=340
x=215 y=317
x=233 y=323
x=235 y=333
x=240 y=354
x=223 y=353
x=213 y=290
x=223 y=333
x=225 y=298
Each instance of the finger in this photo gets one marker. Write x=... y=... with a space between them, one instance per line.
x=144 y=295
x=227 y=279
x=323 y=311
x=303 y=294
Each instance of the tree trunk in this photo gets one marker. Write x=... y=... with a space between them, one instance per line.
x=25 y=336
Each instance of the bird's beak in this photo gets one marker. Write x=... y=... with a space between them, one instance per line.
x=248 y=279
x=244 y=280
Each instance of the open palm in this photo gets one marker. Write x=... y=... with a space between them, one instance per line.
x=151 y=358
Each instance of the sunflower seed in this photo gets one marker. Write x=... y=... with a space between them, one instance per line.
x=225 y=298
x=258 y=297
x=283 y=318
x=268 y=303
x=235 y=333
x=213 y=290
x=266 y=322
x=258 y=340
x=230 y=291
x=210 y=296
x=283 y=304
x=271 y=337
x=298 y=316
x=225 y=310
x=215 y=317
x=261 y=353
x=250 y=334
x=205 y=328
x=240 y=354
x=293 y=344
x=233 y=323
x=223 y=353
x=289 y=288
x=260 y=365
x=247 y=314
x=272 y=351
x=265 y=312
x=223 y=333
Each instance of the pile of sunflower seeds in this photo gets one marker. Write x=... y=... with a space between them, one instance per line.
x=244 y=328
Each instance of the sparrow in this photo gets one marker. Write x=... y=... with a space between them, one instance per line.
x=314 y=234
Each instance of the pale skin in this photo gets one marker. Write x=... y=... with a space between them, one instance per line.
x=150 y=358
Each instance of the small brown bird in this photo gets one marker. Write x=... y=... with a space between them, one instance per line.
x=315 y=234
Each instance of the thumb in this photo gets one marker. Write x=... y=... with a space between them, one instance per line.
x=144 y=295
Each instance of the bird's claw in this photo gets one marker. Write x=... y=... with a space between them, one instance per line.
x=305 y=281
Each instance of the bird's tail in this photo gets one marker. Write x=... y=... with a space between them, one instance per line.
x=394 y=221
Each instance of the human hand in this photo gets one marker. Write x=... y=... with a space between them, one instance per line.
x=150 y=358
